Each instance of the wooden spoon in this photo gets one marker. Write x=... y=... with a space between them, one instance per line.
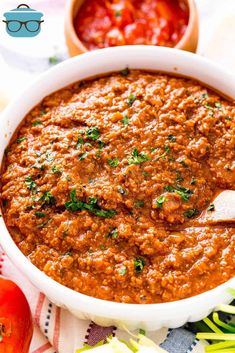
x=222 y=209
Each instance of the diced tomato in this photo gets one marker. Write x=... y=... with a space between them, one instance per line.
x=102 y=23
x=135 y=33
x=114 y=38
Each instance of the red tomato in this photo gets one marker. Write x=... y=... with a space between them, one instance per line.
x=16 y=327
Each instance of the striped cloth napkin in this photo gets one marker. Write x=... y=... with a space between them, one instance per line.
x=58 y=331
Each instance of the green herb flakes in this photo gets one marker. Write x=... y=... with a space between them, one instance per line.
x=122 y=270
x=139 y=203
x=92 y=206
x=56 y=170
x=171 y=138
x=82 y=156
x=53 y=60
x=193 y=181
x=20 y=139
x=191 y=213
x=218 y=105
x=131 y=99
x=40 y=214
x=36 y=123
x=211 y=208
x=113 y=162
x=48 y=199
x=126 y=71
x=125 y=120
x=113 y=234
x=79 y=143
x=179 y=177
x=160 y=201
x=137 y=158
x=92 y=133
x=139 y=264
x=30 y=183
x=49 y=157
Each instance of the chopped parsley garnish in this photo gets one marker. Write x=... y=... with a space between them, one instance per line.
x=36 y=123
x=125 y=120
x=43 y=112
x=31 y=185
x=92 y=206
x=20 y=139
x=185 y=193
x=113 y=162
x=137 y=158
x=204 y=96
x=68 y=178
x=42 y=225
x=101 y=144
x=167 y=149
x=53 y=60
x=193 y=181
x=82 y=156
x=228 y=118
x=118 y=13
x=40 y=214
x=208 y=106
x=191 y=213
x=113 y=234
x=218 y=105
x=79 y=143
x=42 y=167
x=139 y=203
x=122 y=270
x=49 y=157
x=171 y=138
x=139 y=264
x=145 y=174
x=211 y=208
x=48 y=198
x=184 y=164
x=103 y=247
x=179 y=177
x=161 y=199
x=56 y=170
x=92 y=133
x=125 y=71
x=131 y=99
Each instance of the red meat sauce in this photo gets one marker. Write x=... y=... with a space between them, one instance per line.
x=104 y=180
x=108 y=23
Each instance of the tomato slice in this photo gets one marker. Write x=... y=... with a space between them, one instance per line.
x=16 y=327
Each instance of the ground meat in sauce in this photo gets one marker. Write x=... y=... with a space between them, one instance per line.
x=104 y=180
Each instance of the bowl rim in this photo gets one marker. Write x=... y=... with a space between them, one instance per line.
x=71 y=11
x=70 y=297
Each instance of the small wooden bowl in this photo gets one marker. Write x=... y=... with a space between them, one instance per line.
x=75 y=46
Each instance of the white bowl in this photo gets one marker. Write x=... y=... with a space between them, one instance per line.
x=146 y=316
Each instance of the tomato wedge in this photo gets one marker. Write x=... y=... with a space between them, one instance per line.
x=16 y=326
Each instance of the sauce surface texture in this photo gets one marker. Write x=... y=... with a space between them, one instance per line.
x=101 y=23
x=104 y=180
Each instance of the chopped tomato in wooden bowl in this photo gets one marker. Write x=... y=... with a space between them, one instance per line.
x=105 y=23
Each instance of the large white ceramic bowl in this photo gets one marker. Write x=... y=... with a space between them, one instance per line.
x=146 y=316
